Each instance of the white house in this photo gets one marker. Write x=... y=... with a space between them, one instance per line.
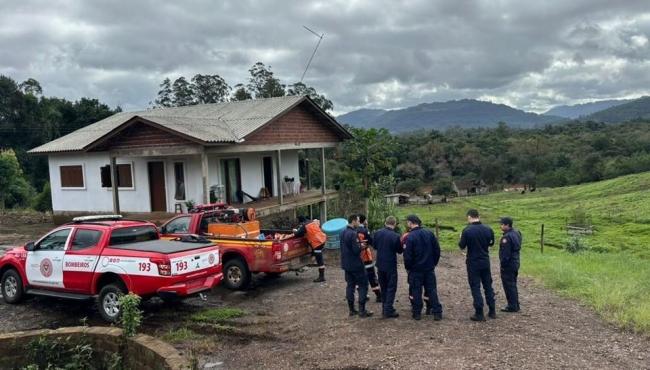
x=161 y=158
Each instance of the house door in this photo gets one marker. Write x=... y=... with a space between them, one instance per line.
x=157 y=192
x=231 y=175
x=267 y=164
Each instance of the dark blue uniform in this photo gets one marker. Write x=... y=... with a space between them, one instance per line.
x=355 y=272
x=421 y=255
x=387 y=243
x=478 y=238
x=509 y=248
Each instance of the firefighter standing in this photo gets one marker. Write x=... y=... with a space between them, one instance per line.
x=388 y=245
x=478 y=238
x=366 y=256
x=509 y=248
x=355 y=272
x=421 y=255
x=316 y=239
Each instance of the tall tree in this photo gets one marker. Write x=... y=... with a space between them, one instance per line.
x=263 y=83
x=183 y=93
x=241 y=93
x=31 y=86
x=165 y=94
x=210 y=89
x=300 y=88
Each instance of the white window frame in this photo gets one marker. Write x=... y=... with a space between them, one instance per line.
x=83 y=176
x=110 y=188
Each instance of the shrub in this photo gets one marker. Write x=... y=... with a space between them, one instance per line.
x=575 y=245
x=44 y=353
x=131 y=315
x=43 y=201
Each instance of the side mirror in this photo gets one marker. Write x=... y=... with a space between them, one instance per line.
x=30 y=246
x=162 y=229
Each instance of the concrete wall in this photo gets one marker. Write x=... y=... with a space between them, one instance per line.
x=94 y=198
x=140 y=352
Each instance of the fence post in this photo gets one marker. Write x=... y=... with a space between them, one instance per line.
x=541 y=241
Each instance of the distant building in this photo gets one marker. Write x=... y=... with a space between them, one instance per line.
x=515 y=188
x=397 y=198
x=463 y=188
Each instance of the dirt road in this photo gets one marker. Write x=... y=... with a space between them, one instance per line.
x=294 y=323
x=307 y=326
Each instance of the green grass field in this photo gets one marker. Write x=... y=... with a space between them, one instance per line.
x=613 y=275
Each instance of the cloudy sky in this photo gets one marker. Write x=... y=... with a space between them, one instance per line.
x=375 y=53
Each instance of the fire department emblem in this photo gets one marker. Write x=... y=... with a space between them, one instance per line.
x=211 y=259
x=46 y=267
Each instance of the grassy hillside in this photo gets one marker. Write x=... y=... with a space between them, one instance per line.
x=613 y=276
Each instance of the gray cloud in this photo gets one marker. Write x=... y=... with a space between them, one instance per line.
x=380 y=54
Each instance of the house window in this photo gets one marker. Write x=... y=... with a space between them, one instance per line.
x=179 y=181
x=124 y=176
x=72 y=176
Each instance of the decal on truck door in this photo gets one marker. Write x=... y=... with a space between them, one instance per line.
x=44 y=265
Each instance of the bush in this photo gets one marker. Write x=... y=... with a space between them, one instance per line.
x=44 y=353
x=130 y=315
x=15 y=190
x=575 y=245
x=43 y=201
x=378 y=209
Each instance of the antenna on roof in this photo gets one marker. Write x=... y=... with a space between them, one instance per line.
x=320 y=38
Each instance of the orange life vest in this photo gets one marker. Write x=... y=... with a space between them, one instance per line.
x=366 y=253
x=315 y=236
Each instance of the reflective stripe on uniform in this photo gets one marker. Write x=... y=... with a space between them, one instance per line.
x=370 y=265
x=318 y=251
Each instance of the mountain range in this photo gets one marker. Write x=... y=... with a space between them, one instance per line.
x=582 y=110
x=475 y=113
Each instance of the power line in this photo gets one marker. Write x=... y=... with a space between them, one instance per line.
x=320 y=38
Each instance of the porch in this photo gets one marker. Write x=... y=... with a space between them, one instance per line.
x=270 y=206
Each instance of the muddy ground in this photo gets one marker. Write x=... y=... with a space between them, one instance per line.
x=291 y=322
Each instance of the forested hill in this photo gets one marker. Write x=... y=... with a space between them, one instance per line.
x=464 y=113
x=633 y=110
x=582 y=110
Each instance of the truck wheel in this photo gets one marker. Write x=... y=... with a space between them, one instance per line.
x=12 y=286
x=236 y=274
x=109 y=301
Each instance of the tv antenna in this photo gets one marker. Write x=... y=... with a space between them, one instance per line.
x=320 y=38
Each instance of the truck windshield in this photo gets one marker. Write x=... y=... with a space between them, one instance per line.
x=133 y=234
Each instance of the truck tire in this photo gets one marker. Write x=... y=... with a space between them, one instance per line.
x=108 y=301
x=12 y=286
x=236 y=274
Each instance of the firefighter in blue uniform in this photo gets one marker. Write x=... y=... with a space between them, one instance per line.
x=355 y=272
x=478 y=239
x=388 y=245
x=421 y=255
x=509 y=248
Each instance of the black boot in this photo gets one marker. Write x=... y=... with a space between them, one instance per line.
x=478 y=316
x=492 y=313
x=321 y=276
x=352 y=310
x=378 y=296
x=363 y=312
